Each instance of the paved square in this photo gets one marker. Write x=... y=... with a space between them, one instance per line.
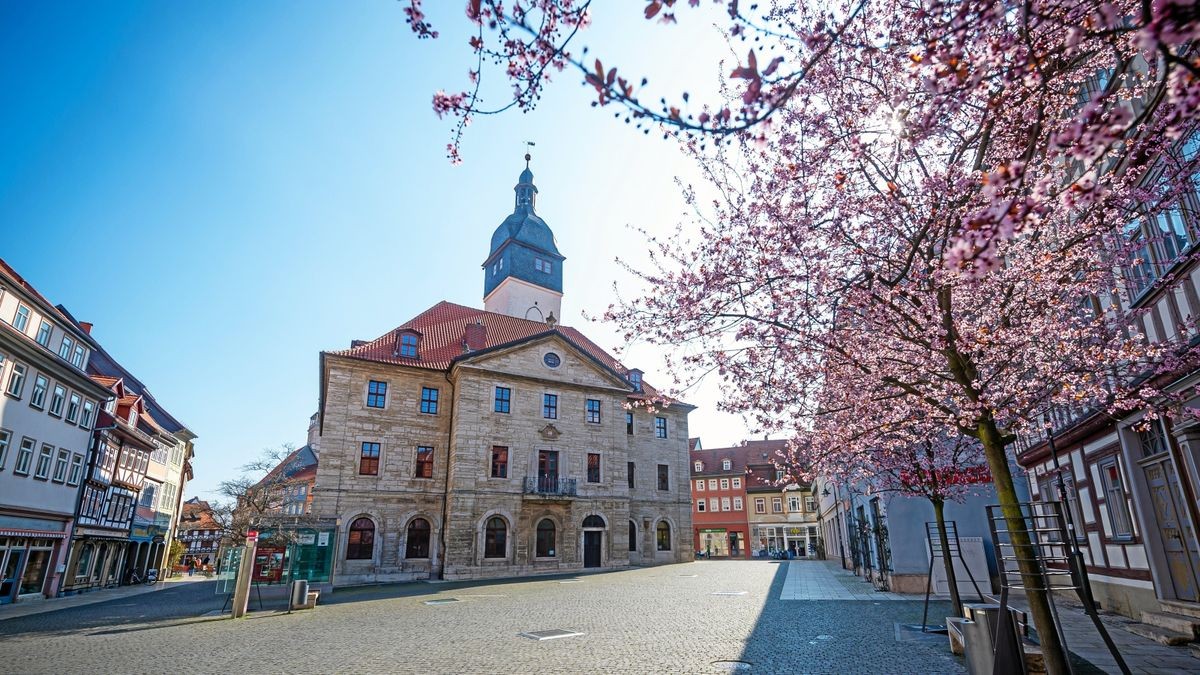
x=812 y=580
x=646 y=620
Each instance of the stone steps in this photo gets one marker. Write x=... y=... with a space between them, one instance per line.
x=1182 y=608
x=1188 y=625
x=1163 y=636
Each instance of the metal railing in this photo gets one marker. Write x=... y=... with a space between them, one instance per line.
x=550 y=485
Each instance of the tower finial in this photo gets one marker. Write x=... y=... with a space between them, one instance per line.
x=528 y=145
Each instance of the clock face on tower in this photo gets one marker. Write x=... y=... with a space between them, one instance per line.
x=551 y=360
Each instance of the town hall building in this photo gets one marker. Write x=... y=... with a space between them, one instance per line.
x=471 y=443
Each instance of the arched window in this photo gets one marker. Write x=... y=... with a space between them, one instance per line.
x=632 y=536
x=361 y=543
x=593 y=521
x=664 y=536
x=495 y=542
x=418 y=539
x=545 y=538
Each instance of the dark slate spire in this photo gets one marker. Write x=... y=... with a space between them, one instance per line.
x=526 y=190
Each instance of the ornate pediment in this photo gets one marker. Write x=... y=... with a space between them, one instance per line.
x=550 y=432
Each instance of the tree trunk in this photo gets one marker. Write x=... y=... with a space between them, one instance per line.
x=939 y=512
x=1031 y=577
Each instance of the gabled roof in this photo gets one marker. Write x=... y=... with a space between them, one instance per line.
x=444 y=325
x=299 y=465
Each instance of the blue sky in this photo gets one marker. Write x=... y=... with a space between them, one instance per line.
x=225 y=189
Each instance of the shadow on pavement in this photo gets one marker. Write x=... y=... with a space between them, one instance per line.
x=185 y=601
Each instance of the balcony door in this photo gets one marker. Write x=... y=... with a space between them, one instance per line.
x=547 y=470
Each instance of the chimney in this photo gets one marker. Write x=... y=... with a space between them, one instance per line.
x=86 y=326
x=357 y=343
x=474 y=336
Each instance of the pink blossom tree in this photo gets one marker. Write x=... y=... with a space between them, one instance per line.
x=919 y=212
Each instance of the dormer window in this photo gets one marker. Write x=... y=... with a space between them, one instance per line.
x=132 y=417
x=635 y=378
x=726 y=464
x=408 y=346
x=699 y=466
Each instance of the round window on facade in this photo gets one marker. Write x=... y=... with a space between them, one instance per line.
x=552 y=360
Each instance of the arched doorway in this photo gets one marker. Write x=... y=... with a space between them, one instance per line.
x=593 y=541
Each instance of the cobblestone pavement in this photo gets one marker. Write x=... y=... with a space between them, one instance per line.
x=675 y=618
x=829 y=582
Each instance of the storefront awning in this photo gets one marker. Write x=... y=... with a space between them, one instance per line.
x=40 y=534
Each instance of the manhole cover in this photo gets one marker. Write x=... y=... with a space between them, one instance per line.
x=732 y=666
x=552 y=634
x=730 y=593
x=441 y=601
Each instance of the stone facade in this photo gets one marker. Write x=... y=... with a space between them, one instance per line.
x=463 y=493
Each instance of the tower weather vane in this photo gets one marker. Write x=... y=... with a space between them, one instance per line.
x=528 y=145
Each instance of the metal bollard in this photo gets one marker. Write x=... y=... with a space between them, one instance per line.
x=299 y=594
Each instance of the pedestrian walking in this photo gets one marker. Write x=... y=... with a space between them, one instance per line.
x=191 y=567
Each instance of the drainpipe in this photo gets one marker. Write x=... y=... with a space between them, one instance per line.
x=446 y=481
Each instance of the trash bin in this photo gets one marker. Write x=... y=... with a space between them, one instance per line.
x=299 y=593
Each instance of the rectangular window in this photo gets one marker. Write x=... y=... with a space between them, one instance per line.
x=499 y=461
x=37 y=398
x=700 y=485
x=660 y=427
x=408 y=346
x=73 y=408
x=543 y=266
x=65 y=349
x=712 y=483
x=664 y=477
x=60 y=465
x=16 y=380
x=43 y=462
x=724 y=483
x=593 y=411
x=700 y=505
x=629 y=473
x=593 y=467
x=550 y=406
x=78 y=356
x=368 y=462
x=43 y=334
x=776 y=504
x=760 y=505
x=76 y=470
x=724 y=503
x=629 y=423
x=793 y=504
x=21 y=319
x=5 y=438
x=57 y=400
x=737 y=503
x=737 y=483
x=503 y=400
x=24 y=456
x=376 y=394
x=714 y=504
x=424 y=462
x=429 y=400
x=89 y=411
x=810 y=504
x=1115 y=500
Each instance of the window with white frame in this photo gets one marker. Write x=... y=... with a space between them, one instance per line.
x=43 y=461
x=24 y=456
x=726 y=465
x=1115 y=500
x=700 y=485
x=810 y=503
x=737 y=504
x=793 y=503
x=16 y=380
x=37 y=398
x=725 y=503
x=76 y=470
x=737 y=483
x=698 y=466
x=65 y=348
x=760 y=505
x=5 y=439
x=43 y=334
x=60 y=465
x=714 y=504
x=57 y=400
x=89 y=412
x=712 y=483
x=21 y=318
x=78 y=356
x=700 y=505
x=73 y=406
x=724 y=483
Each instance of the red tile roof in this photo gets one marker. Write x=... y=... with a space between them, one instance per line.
x=443 y=327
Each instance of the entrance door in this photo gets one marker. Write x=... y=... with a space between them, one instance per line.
x=735 y=547
x=1178 y=539
x=10 y=568
x=591 y=548
x=547 y=470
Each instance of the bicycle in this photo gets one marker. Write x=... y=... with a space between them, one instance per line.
x=150 y=579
